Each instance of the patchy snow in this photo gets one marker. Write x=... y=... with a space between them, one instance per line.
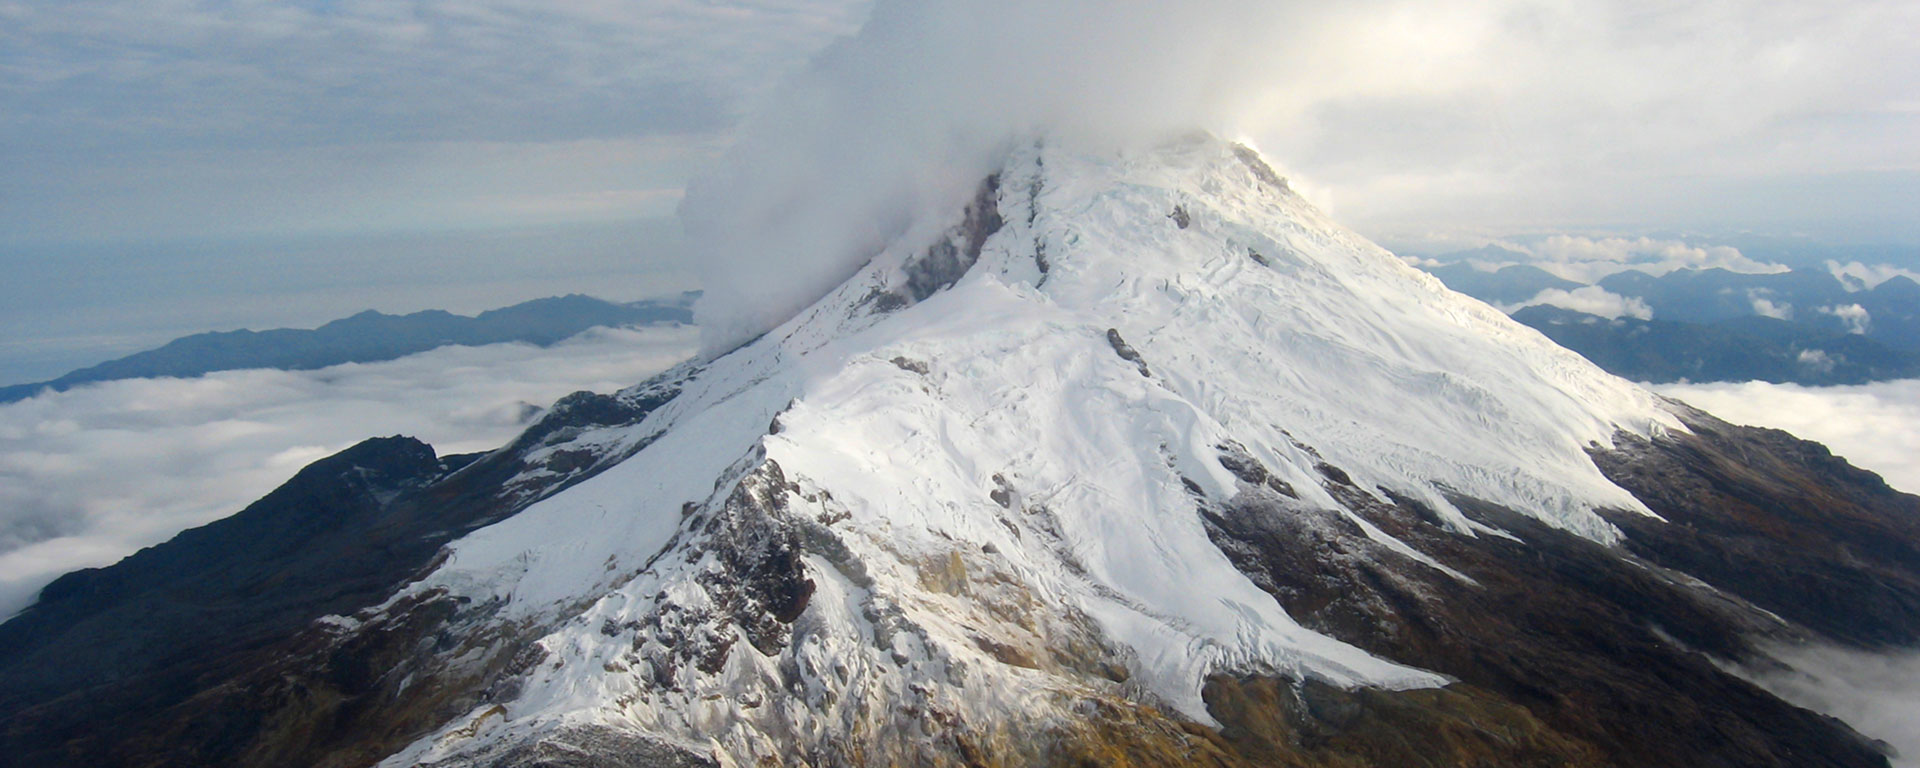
x=1008 y=502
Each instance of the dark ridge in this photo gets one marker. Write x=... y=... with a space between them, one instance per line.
x=948 y=260
x=1259 y=167
x=1610 y=649
x=1511 y=284
x=1779 y=521
x=369 y=337
x=204 y=650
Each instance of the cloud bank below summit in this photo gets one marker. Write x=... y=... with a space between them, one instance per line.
x=1874 y=426
x=90 y=475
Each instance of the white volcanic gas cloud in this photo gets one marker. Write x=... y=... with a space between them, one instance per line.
x=1874 y=426
x=90 y=475
x=909 y=115
x=1398 y=106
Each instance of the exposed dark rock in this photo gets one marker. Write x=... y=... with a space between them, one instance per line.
x=1779 y=521
x=948 y=260
x=1282 y=722
x=1604 y=649
x=581 y=747
x=764 y=585
x=1126 y=351
x=1002 y=493
x=1259 y=166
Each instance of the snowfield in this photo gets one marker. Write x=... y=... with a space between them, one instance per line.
x=1005 y=473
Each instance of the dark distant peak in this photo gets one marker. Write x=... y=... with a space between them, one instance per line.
x=681 y=299
x=371 y=336
x=373 y=318
x=1899 y=286
x=381 y=458
x=313 y=499
x=1539 y=314
x=571 y=300
x=1631 y=277
x=1511 y=284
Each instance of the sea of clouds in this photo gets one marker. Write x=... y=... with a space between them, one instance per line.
x=1874 y=426
x=90 y=475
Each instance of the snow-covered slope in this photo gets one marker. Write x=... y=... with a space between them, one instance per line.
x=978 y=500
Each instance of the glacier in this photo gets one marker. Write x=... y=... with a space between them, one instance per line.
x=990 y=444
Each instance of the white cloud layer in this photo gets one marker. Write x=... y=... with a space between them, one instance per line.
x=1588 y=259
x=1767 y=307
x=901 y=122
x=1591 y=299
x=1878 y=694
x=1859 y=277
x=90 y=475
x=1874 y=426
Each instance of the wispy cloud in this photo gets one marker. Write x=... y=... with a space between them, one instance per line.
x=1857 y=319
x=1876 y=693
x=90 y=475
x=1587 y=259
x=1859 y=277
x=1591 y=299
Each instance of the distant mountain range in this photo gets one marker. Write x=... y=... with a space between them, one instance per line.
x=1802 y=326
x=370 y=337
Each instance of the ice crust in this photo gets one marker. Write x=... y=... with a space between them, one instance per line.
x=1257 y=321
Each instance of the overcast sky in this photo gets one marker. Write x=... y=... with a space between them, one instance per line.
x=140 y=119
x=156 y=136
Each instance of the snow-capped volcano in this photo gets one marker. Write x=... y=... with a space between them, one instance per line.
x=981 y=462
x=1135 y=456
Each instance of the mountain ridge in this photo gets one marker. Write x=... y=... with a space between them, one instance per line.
x=368 y=336
x=1704 y=325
